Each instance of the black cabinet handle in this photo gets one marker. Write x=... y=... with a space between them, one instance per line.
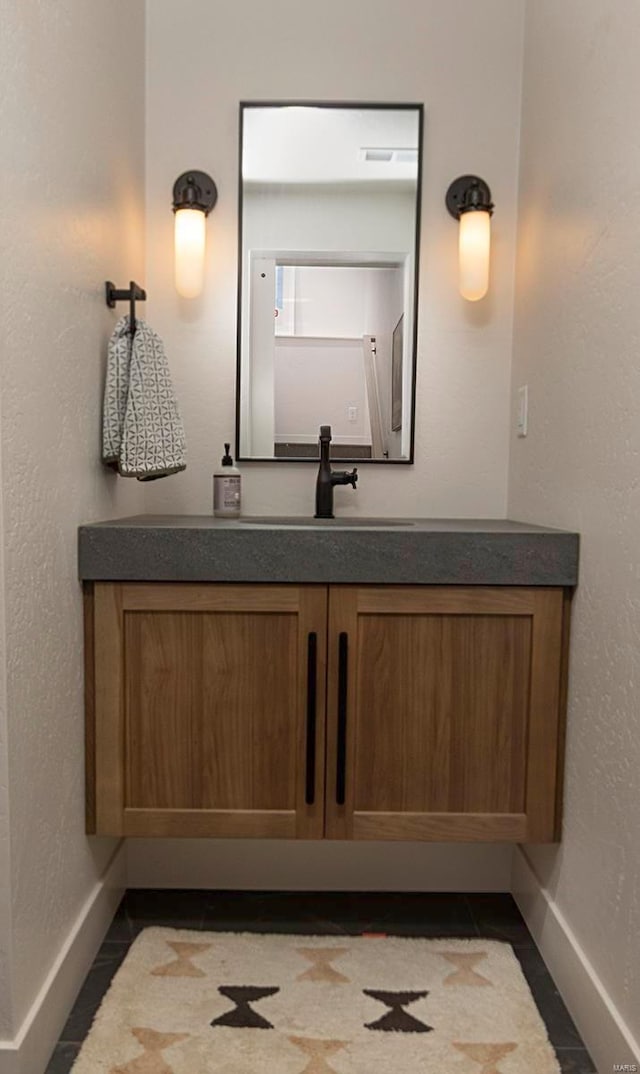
x=312 y=679
x=343 y=661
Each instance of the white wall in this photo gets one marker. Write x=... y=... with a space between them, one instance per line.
x=203 y=59
x=6 y=1002
x=315 y=383
x=72 y=130
x=316 y=217
x=577 y=345
x=332 y=301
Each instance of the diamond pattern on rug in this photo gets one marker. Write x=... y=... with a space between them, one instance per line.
x=397 y=1020
x=488 y=1055
x=318 y=1050
x=182 y=966
x=321 y=970
x=243 y=1016
x=465 y=973
x=151 y=1062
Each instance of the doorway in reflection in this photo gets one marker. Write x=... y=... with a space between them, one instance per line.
x=330 y=357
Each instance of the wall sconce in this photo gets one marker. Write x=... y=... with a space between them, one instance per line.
x=469 y=201
x=194 y=196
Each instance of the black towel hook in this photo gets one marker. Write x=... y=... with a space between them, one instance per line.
x=132 y=295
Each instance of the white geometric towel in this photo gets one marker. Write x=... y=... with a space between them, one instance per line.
x=142 y=432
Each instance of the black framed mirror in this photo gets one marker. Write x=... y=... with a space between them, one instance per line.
x=329 y=226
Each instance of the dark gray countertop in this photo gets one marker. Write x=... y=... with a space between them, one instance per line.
x=424 y=551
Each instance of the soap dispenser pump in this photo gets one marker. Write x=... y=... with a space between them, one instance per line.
x=226 y=488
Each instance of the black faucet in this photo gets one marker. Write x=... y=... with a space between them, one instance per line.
x=327 y=477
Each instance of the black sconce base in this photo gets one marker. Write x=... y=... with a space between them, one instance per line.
x=194 y=190
x=467 y=193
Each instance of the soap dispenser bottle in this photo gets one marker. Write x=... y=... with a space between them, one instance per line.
x=226 y=488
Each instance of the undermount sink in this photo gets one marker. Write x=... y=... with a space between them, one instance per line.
x=301 y=520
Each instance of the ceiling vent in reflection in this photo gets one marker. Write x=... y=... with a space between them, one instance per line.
x=389 y=155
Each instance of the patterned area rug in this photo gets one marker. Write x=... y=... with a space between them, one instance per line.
x=239 y=1003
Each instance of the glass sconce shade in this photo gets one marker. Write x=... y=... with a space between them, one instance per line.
x=474 y=250
x=190 y=244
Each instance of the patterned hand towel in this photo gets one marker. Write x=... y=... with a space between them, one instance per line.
x=142 y=433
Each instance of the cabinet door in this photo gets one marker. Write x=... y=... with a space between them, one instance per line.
x=210 y=704
x=443 y=710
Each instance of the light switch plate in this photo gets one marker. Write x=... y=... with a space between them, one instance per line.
x=522 y=420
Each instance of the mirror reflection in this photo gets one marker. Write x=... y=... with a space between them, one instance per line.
x=329 y=218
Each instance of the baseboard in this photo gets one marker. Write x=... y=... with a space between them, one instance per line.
x=30 y=1051
x=300 y=865
x=600 y=1024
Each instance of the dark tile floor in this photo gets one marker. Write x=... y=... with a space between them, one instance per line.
x=332 y=913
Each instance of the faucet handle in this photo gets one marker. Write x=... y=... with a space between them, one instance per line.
x=352 y=476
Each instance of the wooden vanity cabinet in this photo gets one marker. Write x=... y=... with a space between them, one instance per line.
x=340 y=712
x=446 y=703
x=201 y=722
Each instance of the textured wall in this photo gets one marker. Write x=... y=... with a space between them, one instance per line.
x=6 y=1005
x=577 y=341
x=214 y=55
x=72 y=130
